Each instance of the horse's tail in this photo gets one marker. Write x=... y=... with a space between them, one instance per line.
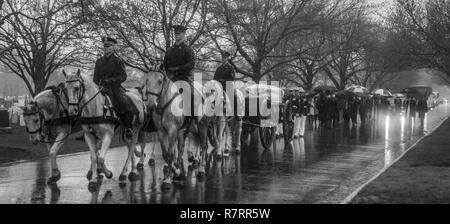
x=121 y=130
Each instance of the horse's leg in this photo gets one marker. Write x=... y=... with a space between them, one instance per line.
x=108 y=133
x=141 y=154
x=236 y=134
x=167 y=179
x=226 y=140
x=203 y=140
x=54 y=149
x=220 y=132
x=151 y=161
x=180 y=164
x=90 y=141
x=131 y=145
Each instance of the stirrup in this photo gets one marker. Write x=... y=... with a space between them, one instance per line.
x=129 y=133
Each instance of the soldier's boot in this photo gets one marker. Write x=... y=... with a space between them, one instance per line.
x=128 y=122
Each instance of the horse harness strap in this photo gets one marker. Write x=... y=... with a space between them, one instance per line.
x=160 y=110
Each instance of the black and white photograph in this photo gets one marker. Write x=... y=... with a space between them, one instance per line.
x=224 y=102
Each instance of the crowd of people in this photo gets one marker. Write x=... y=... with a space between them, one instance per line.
x=328 y=109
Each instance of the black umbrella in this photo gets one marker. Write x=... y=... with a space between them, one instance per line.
x=325 y=89
x=345 y=93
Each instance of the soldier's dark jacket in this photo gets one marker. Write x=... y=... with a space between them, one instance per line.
x=181 y=56
x=110 y=69
x=224 y=73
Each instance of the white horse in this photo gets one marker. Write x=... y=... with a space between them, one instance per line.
x=47 y=106
x=220 y=127
x=166 y=104
x=86 y=100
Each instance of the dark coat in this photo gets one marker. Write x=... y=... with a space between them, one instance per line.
x=180 y=56
x=224 y=73
x=422 y=108
x=111 y=73
x=110 y=70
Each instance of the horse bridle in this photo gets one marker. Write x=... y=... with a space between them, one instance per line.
x=81 y=95
x=41 y=119
x=160 y=109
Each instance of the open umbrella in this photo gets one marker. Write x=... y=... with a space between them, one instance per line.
x=345 y=93
x=383 y=92
x=358 y=90
x=399 y=95
x=325 y=89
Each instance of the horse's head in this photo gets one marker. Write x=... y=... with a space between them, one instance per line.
x=153 y=87
x=34 y=121
x=75 y=91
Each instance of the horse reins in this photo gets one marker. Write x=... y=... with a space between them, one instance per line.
x=160 y=109
x=81 y=96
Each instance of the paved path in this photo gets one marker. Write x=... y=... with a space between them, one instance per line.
x=325 y=167
x=421 y=176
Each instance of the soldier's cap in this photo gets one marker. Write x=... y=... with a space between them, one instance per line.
x=109 y=41
x=225 y=54
x=179 y=28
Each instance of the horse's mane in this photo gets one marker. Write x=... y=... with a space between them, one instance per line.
x=88 y=80
x=45 y=100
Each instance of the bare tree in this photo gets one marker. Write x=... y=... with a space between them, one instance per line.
x=43 y=36
x=144 y=27
x=422 y=29
x=260 y=31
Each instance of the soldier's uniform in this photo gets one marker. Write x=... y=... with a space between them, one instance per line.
x=224 y=73
x=353 y=110
x=109 y=73
x=179 y=62
x=422 y=108
x=182 y=58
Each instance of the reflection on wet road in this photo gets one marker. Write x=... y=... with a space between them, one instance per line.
x=324 y=167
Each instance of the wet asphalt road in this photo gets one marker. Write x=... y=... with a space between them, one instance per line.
x=324 y=167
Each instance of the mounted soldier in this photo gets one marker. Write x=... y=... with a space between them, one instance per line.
x=179 y=62
x=110 y=73
x=225 y=72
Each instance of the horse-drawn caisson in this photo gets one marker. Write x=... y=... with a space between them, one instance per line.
x=265 y=107
x=168 y=102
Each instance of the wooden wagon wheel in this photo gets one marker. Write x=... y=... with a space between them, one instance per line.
x=267 y=136
x=288 y=122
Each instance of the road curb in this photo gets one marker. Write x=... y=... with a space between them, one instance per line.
x=356 y=192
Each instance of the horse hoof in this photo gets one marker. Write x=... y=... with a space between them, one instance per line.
x=179 y=180
x=99 y=171
x=51 y=181
x=201 y=176
x=151 y=162
x=109 y=175
x=122 y=185
x=89 y=175
x=226 y=153
x=132 y=177
x=92 y=187
x=140 y=167
x=166 y=187
x=122 y=178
